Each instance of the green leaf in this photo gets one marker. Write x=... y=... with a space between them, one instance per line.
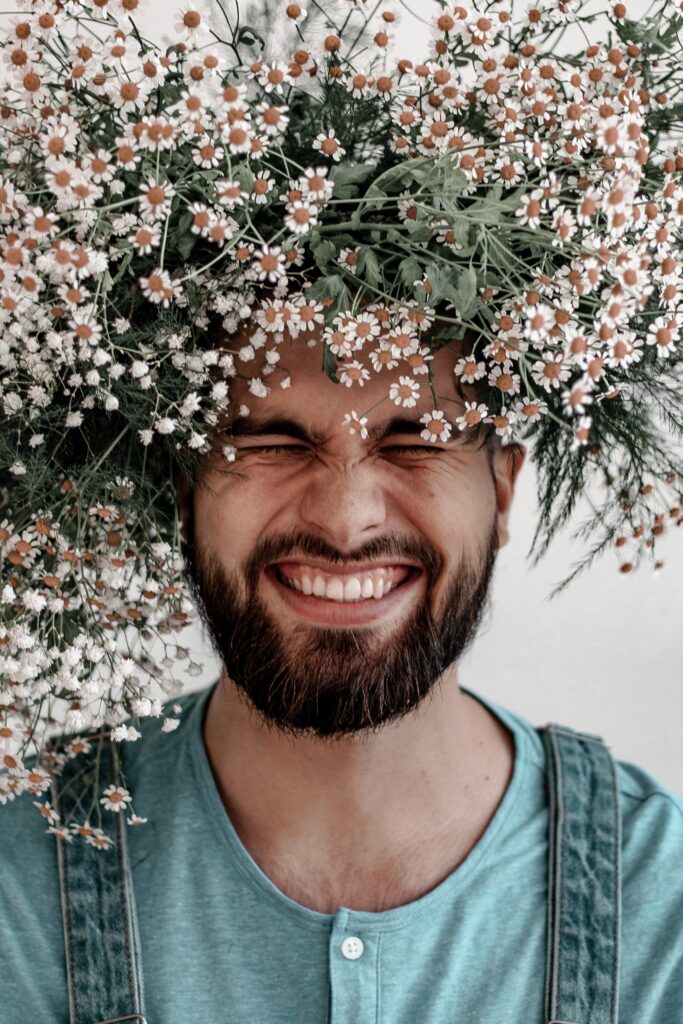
x=346 y=191
x=374 y=192
x=368 y=265
x=441 y=279
x=419 y=232
x=410 y=271
x=324 y=253
x=248 y=36
x=351 y=174
x=330 y=287
x=123 y=266
x=185 y=240
x=396 y=177
x=465 y=296
x=422 y=174
x=330 y=364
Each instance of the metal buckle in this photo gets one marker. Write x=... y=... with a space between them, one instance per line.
x=131 y=1016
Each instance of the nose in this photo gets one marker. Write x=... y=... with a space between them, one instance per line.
x=345 y=501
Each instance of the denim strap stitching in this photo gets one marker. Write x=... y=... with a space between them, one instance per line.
x=104 y=971
x=63 y=868
x=584 y=883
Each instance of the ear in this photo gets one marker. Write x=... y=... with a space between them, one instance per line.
x=185 y=501
x=506 y=463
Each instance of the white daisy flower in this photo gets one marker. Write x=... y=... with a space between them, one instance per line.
x=663 y=333
x=158 y=287
x=551 y=372
x=503 y=422
x=437 y=428
x=405 y=393
x=353 y=373
x=582 y=433
x=329 y=145
x=296 y=13
x=115 y=798
x=356 y=424
x=274 y=77
x=475 y=413
x=301 y=217
x=189 y=22
x=469 y=369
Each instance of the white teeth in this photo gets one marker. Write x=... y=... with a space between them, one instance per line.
x=352 y=589
x=340 y=589
x=319 y=586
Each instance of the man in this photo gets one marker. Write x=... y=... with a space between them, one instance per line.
x=339 y=830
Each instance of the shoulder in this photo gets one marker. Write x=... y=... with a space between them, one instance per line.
x=652 y=837
x=31 y=934
x=652 y=896
x=31 y=930
x=651 y=815
x=149 y=758
x=162 y=739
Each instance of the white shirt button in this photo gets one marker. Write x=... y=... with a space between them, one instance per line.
x=352 y=947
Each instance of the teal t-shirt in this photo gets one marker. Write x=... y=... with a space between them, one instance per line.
x=221 y=943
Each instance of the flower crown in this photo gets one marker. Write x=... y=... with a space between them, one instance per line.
x=159 y=204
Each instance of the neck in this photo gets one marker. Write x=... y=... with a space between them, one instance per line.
x=363 y=822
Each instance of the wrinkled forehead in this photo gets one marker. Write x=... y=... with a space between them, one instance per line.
x=310 y=392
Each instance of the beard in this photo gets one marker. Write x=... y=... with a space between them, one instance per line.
x=334 y=682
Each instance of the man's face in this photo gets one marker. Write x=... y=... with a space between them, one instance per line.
x=340 y=576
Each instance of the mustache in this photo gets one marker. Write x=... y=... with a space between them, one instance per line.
x=298 y=544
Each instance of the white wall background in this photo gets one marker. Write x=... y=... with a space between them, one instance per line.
x=606 y=656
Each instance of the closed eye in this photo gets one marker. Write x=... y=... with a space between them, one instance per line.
x=274 y=448
x=288 y=449
x=430 y=448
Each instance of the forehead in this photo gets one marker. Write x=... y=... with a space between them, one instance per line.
x=322 y=403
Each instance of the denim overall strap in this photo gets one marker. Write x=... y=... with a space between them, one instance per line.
x=584 y=882
x=104 y=973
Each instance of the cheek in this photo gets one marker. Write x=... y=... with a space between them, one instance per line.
x=465 y=492
x=232 y=514
x=454 y=511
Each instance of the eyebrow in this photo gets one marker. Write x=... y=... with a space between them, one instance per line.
x=251 y=427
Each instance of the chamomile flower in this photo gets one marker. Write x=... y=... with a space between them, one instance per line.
x=353 y=372
x=405 y=393
x=328 y=144
x=436 y=426
x=155 y=199
x=663 y=334
x=469 y=369
x=115 y=798
x=474 y=414
x=145 y=238
x=503 y=422
x=158 y=287
x=189 y=23
x=269 y=263
x=301 y=217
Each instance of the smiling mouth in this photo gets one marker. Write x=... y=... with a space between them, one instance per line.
x=344 y=588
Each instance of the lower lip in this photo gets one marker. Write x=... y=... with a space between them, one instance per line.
x=339 y=613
